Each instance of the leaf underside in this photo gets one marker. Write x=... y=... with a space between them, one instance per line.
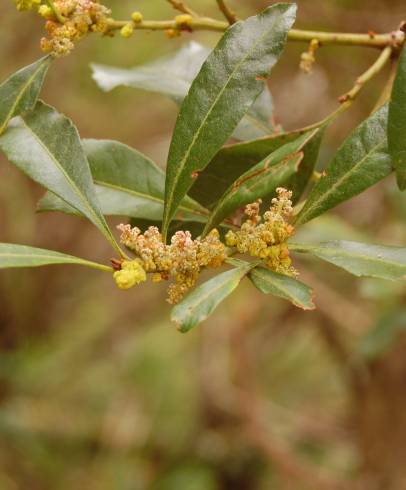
x=19 y=93
x=360 y=259
x=12 y=256
x=202 y=301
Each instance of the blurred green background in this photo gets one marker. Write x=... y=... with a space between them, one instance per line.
x=98 y=391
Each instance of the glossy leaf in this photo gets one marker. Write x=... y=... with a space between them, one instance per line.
x=203 y=300
x=397 y=122
x=46 y=146
x=12 y=256
x=360 y=259
x=227 y=85
x=19 y=93
x=260 y=181
x=361 y=162
x=180 y=69
x=270 y=282
x=234 y=160
x=127 y=184
x=257 y=122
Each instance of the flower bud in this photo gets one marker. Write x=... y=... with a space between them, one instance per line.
x=127 y=31
x=137 y=17
x=131 y=273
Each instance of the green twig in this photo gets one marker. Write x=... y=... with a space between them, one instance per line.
x=56 y=12
x=348 y=98
x=394 y=39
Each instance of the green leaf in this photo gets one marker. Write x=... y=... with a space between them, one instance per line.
x=256 y=123
x=234 y=160
x=202 y=301
x=360 y=259
x=227 y=85
x=397 y=122
x=361 y=162
x=180 y=68
x=12 y=256
x=260 y=181
x=46 y=146
x=127 y=184
x=300 y=180
x=382 y=337
x=19 y=93
x=270 y=282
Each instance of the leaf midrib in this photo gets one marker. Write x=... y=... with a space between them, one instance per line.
x=147 y=197
x=19 y=97
x=283 y=290
x=197 y=134
x=344 y=252
x=244 y=270
x=75 y=188
x=323 y=197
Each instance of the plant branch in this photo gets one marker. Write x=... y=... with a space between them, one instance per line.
x=348 y=98
x=177 y=5
x=394 y=39
x=228 y=14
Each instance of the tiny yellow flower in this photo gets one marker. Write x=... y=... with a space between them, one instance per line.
x=127 y=31
x=46 y=12
x=131 y=273
x=137 y=17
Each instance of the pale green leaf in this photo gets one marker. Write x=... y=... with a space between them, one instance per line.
x=19 y=93
x=12 y=256
x=46 y=146
x=127 y=184
x=360 y=259
x=285 y=287
x=180 y=69
x=203 y=300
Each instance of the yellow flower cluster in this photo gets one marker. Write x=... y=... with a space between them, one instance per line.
x=181 y=260
x=27 y=4
x=267 y=240
x=130 y=274
x=81 y=17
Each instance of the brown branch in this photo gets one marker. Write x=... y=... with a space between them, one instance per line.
x=228 y=14
x=178 y=5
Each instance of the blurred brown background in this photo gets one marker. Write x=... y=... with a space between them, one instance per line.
x=98 y=391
